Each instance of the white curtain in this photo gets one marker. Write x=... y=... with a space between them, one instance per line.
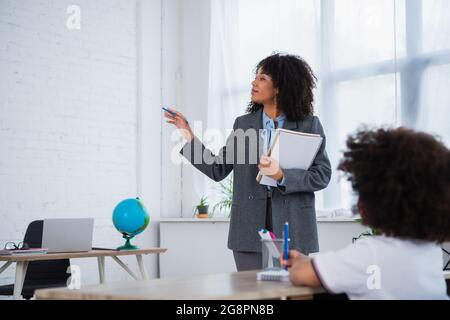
x=223 y=102
x=379 y=62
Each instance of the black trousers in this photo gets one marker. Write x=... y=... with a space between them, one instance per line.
x=269 y=224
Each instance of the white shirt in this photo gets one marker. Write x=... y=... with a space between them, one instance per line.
x=380 y=267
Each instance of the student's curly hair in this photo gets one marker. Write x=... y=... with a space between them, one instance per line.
x=403 y=181
x=295 y=82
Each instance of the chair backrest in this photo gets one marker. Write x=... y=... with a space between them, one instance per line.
x=51 y=271
x=446 y=254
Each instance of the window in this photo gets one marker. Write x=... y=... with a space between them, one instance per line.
x=379 y=62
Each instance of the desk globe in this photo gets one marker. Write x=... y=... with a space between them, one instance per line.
x=130 y=218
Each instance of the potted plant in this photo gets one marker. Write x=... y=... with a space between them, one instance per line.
x=202 y=208
x=226 y=189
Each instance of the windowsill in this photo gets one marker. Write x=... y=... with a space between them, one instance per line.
x=213 y=220
x=226 y=220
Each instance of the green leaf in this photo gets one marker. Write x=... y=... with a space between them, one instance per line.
x=226 y=190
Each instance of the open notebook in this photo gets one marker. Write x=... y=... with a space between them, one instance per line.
x=293 y=150
x=273 y=275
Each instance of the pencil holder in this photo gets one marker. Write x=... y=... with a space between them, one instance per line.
x=272 y=251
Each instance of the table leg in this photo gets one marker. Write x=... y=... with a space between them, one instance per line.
x=5 y=266
x=141 y=267
x=125 y=267
x=101 y=269
x=21 y=271
x=25 y=268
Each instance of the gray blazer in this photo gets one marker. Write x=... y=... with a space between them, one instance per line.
x=294 y=202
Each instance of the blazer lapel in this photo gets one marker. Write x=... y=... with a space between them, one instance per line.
x=255 y=123
x=290 y=125
x=255 y=120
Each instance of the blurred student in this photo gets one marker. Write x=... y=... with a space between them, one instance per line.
x=402 y=178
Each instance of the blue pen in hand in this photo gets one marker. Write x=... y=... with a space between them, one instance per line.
x=173 y=114
x=286 y=243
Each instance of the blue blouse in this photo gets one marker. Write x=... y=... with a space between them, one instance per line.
x=268 y=132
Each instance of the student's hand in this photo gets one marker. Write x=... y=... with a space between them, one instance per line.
x=293 y=256
x=270 y=167
x=300 y=269
x=181 y=123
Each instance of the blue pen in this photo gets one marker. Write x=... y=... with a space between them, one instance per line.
x=286 y=243
x=173 y=114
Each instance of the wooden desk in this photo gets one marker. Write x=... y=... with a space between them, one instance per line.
x=22 y=262
x=226 y=286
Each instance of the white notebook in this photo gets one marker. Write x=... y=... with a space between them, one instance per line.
x=273 y=275
x=292 y=150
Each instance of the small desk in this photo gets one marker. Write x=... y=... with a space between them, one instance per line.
x=22 y=262
x=225 y=286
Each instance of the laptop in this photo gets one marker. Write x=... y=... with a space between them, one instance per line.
x=67 y=235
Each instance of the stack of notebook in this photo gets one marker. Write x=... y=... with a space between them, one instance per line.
x=273 y=275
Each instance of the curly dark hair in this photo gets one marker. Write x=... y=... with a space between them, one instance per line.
x=295 y=81
x=403 y=181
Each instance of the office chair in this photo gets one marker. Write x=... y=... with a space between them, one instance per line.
x=40 y=274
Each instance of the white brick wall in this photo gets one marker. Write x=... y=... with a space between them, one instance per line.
x=67 y=118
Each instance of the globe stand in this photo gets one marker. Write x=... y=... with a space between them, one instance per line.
x=127 y=245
